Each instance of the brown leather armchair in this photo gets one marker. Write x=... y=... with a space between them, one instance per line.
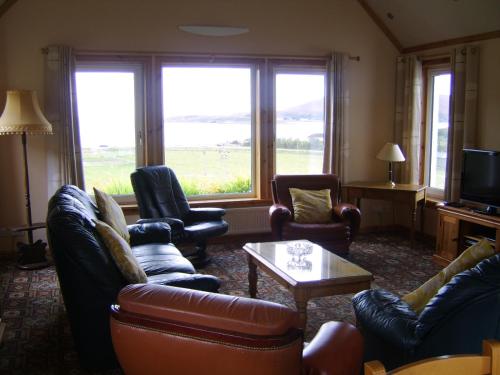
x=335 y=236
x=162 y=329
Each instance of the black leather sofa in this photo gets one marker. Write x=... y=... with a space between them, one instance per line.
x=89 y=278
x=456 y=321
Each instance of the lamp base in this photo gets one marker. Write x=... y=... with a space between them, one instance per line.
x=32 y=256
x=391 y=183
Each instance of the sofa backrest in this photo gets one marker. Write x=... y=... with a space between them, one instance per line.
x=88 y=276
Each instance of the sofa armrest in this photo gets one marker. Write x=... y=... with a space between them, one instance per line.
x=278 y=214
x=386 y=316
x=336 y=349
x=205 y=214
x=176 y=225
x=350 y=215
x=149 y=233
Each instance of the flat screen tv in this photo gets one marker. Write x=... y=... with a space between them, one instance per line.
x=481 y=178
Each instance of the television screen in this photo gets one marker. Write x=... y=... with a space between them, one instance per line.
x=481 y=177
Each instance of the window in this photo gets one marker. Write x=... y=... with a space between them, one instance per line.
x=437 y=123
x=300 y=121
x=208 y=120
x=224 y=124
x=110 y=121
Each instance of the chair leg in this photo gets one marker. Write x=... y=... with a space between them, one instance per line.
x=200 y=258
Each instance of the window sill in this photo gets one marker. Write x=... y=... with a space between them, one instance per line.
x=132 y=208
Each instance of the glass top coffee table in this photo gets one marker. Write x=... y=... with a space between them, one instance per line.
x=306 y=270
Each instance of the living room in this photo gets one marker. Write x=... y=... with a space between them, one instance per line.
x=274 y=30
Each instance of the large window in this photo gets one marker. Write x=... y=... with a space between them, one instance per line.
x=110 y=122
x=437 y=123
x=208 y=121
x=225 y=125
x=300 y=121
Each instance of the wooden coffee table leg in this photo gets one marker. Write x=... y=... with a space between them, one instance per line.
x=301 y=303
x=252 y=277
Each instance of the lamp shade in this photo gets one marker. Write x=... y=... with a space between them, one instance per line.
x=22 y=114
x=391 y=152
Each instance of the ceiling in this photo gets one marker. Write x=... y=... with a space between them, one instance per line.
x=418 y=23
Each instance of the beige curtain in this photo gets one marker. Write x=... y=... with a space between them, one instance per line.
x=64 y=154
x=337 y=147
x=408 y=117
x=463 y=115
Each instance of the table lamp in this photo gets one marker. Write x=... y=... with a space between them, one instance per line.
x=391 y=153
x=22 y=115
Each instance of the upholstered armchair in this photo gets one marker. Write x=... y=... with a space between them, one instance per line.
x=158 y=330
x=463 y=313
x=335 y=236
x=160 y=198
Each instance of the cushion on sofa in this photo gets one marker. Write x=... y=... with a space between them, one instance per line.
x=419 y=298
x=111 y=213
x=122 y=254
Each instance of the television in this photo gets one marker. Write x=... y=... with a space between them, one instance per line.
x=481 y=178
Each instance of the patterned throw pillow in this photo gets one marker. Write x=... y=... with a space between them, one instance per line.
x=122 y=254
x=111 y=213
x=311 y=206
x=419 y=298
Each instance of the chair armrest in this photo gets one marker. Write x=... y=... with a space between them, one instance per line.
x=176 y=225
x=205 y=214
x=337 y=349
x=387 y=316
x=278 y=214
x=149 y=233
x=350 y=215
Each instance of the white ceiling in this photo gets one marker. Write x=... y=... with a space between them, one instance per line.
x=418 y=22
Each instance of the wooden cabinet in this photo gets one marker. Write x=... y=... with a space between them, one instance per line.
x=456 y=226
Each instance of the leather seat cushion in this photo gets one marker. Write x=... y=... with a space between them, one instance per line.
x=315 y=232
x=196 y=281
x=158 y=259
x=200 y=231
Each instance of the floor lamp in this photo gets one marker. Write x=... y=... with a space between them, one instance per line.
x=22 y=115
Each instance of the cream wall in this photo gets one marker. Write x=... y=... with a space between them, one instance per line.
x=277 y=27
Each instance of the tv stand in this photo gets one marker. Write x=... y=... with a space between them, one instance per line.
x=459 y=227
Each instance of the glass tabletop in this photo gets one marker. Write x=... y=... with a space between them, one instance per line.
x=305 y=261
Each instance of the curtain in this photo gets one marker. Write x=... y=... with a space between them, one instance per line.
x=463 y=115
x=408 y=117
x=337 y=147
x=64 y=153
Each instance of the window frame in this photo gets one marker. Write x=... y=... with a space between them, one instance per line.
x=128 y=65
x=430 y=72
x=319 y=68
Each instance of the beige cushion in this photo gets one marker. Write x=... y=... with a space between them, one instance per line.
x=111 y=213
x=419 y=298
x=311 y=206
x=122 y=254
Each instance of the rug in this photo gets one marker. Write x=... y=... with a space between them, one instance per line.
x=37 y=339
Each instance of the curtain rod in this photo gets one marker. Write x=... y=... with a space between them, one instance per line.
x=194 y=54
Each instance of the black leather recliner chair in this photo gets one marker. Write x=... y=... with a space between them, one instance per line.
x=160 y=197
x=465 y=312
x=89 y=278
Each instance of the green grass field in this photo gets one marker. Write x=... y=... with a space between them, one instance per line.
x=201 y=171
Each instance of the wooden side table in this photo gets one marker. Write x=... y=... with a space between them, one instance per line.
x=411 y=195
x=31 y=255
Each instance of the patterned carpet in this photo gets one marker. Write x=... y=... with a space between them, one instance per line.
x=37 y=339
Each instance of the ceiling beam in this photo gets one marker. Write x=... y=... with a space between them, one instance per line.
x=454 y=41
x=5 y=6
x=381 y=25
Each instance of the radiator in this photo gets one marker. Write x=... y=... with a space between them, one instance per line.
x=248 y=220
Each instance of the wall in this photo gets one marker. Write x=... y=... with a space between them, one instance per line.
x=277 y=27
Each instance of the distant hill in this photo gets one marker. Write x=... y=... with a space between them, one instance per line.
x=311 y=111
